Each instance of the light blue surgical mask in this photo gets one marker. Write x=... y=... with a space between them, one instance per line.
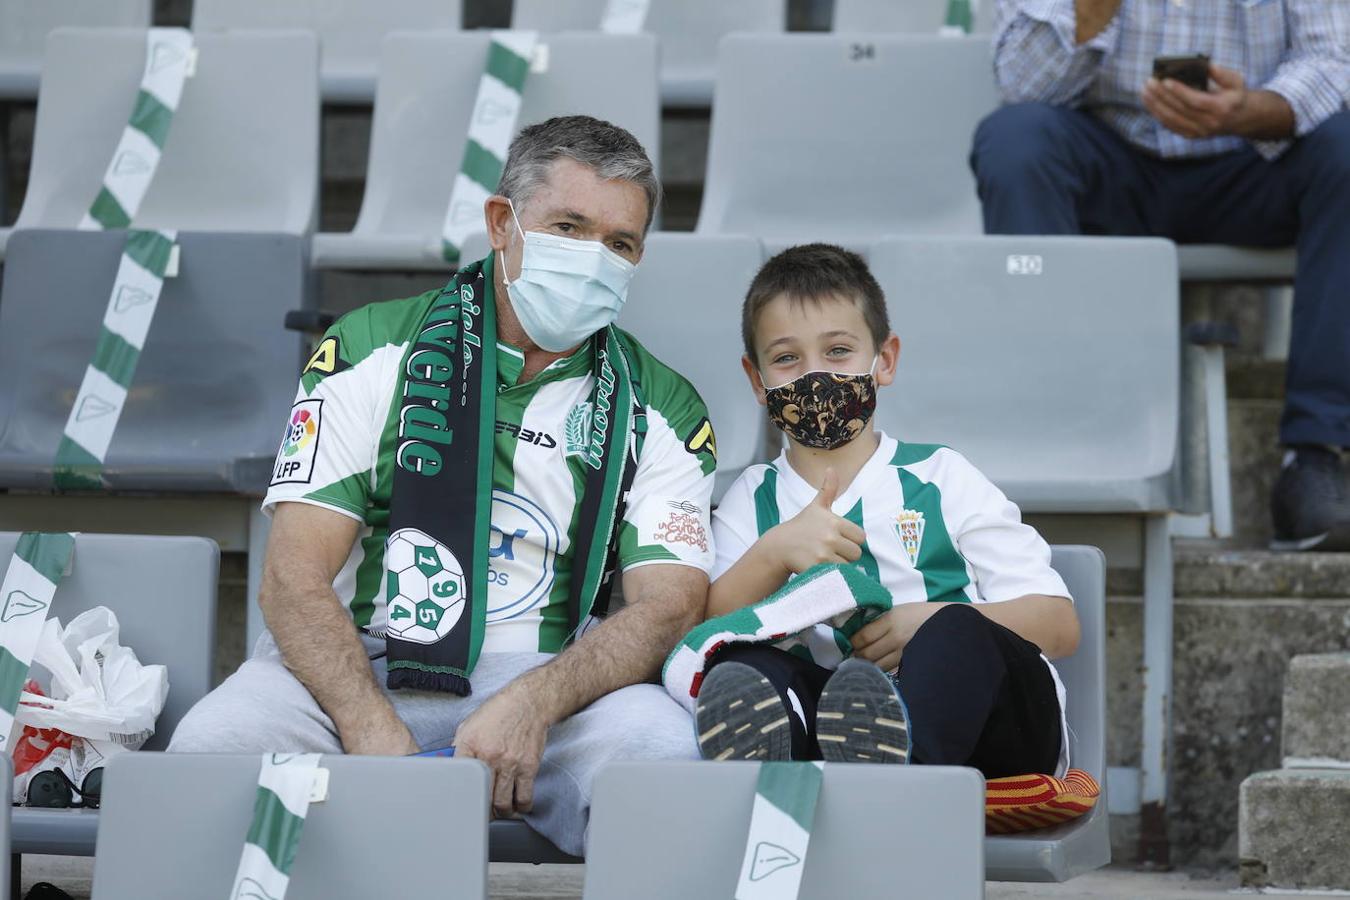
x=567 y=289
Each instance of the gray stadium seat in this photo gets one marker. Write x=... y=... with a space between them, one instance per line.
x=696 y=331
x=674 y=830
x=825 y=137
x=174 y=826
x=688 y=30
x=163 y=590
x=207 y=407
x=428 y=84
x=242 y=153
x=1251 y=265
x=1068 y=850
x=349 y=30
x=907 y=17
x=1053 y=364
x=25 y=24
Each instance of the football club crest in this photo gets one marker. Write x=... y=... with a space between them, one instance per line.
x=909 y=526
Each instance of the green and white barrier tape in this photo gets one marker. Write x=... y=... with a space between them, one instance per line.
x=107 y=379
x=780 y=830
x=38 y=564
x=624 y=16
x=491 y=128
x=169 y=57
x=285 y=785
x=147 y=258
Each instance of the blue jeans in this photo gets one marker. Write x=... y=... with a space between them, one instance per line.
x=1044 y=169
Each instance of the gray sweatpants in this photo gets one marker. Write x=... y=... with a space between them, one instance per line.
x=263 y=708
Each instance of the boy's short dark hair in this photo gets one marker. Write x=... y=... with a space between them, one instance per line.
x=809 y=273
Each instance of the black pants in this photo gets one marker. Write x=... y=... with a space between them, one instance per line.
x=978 y=695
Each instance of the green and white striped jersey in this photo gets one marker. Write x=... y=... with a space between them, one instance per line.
x=338 y=453
x=937 y=530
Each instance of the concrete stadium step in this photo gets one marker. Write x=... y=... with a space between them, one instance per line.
x=1295 y=827
x=1317 y=711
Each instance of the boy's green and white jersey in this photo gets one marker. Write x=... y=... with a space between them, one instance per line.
x=340 y=442
x=936 y=530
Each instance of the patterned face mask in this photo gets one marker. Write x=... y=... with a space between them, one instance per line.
x=823 y=410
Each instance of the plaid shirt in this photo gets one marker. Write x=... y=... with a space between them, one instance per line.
x=1300 y=49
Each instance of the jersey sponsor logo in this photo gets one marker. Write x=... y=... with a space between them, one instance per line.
x=685 y=506
x=327 y=358
x=909 y=528
x=425 y=589
x=299 y=444
x=523 y=545
x=526 y=435
x=683 y=528
x=702 y=439
x=575 y=429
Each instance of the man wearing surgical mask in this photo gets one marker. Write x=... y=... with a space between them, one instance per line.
x=461 y=476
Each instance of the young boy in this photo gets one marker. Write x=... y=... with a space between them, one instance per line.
x=976 y=605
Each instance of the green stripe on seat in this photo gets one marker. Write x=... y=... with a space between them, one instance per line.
x=48 y=553
x=151 y=118
x=480 y=166
x=107 y=212
x=943 y=567
x=507 y=67
x=76 y=469
x=276 y=830
x=116 y=358
x=13 y=673
x=792 y=787
x=150 y=250
x=766 y=501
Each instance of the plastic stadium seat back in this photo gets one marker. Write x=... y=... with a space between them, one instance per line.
x=908 y=17
x=173 y=825
x=863 y=842
x=25 y=24
x=163 y=591
x=242 y=152
x=1084 y=844
x=428 y=84
x=871 y=136
x=685 y=307
x=349 y=31
x=208 y=403
x=688 y=31
x=1050 y=362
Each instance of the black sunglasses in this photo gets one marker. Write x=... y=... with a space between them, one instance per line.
x=53 y=789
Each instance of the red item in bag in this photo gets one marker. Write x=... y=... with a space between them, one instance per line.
x=36 y=744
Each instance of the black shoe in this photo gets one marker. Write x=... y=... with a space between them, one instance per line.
x=739 y=715
x=861 y=716
x=1310 y=504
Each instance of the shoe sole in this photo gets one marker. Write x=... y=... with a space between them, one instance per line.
x=860 y=718
x=739 y=715
x=1336 y=540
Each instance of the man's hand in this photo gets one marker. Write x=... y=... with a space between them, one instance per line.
x=507 y=733
x=883 y=640
x=1199 y=114
x=816 y=535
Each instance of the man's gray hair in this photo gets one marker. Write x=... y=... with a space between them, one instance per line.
x=607 y=149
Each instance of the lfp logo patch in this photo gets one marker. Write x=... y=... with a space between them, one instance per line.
x=299 y=442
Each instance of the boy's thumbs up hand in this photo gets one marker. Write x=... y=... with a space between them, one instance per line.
x=816 y=535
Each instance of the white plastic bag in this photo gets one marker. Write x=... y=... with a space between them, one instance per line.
x=99 y=689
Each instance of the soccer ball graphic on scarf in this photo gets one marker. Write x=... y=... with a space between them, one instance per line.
x=425 y=592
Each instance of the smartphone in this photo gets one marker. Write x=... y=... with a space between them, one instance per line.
x=445 y=751
x=1192 y=71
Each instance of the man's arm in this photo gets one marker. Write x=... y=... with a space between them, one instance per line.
x=1229 y=109
x=509 y=730
x=1048 y=622
x=319 y=644
x=1049 y=51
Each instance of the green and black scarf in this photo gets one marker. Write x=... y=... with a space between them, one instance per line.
x=436 y=557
